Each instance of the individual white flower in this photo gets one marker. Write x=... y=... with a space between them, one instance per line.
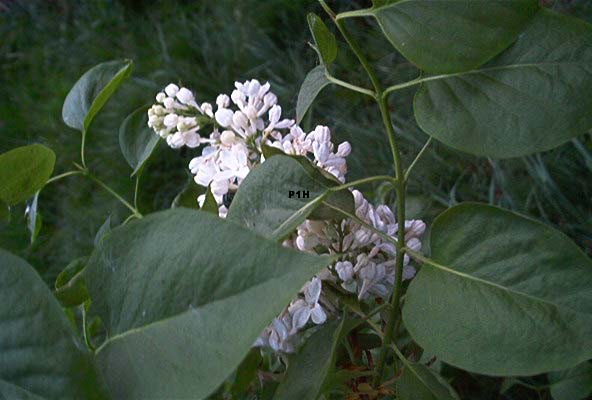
x=345 y=270
x=308 y=308
x=234 y=163
x=204 y=171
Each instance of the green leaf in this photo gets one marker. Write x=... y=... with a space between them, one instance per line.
x=309 y=370
x=103 y=230
x=9 y=391
x=39 y=351
x=210 y=204
x=263 y=202
x=571 y=384
x=136 y=139
x=325 y=42
x=4 y=212
x=502 y=295
x=531 y=98
x=90 y=93
x=448 y=36
x=34 y=222
x=24 y=171
x=246 y=372
x=188 y=196
x=380 y=3
x=183 y=295
x=70 y=287
x=314 y=82
x=418 y=382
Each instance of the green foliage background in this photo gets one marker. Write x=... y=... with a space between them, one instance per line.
x=207 y=45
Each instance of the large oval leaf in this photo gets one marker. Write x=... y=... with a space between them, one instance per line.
x=90 y=93
x=502 y=294
x=531 y=98
x=272 y=200
x=447 y=36
x=24 y=171
x=183 y=295
x=136 y=139
x=39 y=352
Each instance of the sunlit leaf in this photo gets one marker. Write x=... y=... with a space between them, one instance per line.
x=24 y=171
x=90 y=93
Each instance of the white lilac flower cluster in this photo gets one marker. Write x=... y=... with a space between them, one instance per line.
x=175 y=117
x=241 y=123
x=367 y=261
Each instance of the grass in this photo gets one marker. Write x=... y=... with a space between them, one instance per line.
x=207 y=45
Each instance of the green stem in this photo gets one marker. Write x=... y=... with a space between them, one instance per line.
x=82 y=146
x=137 y=188
x=348 y=85
x=417 y=157
x=64 y=175
x=114 y=194
x=381 y=98
x=358 y=52
x=85 y=332
x=389 y=330
x=363 y=181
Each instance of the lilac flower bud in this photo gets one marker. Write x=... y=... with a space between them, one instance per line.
x=192 y=140
x=222 y=101
x=171 y=90
x=185 y=96
x=170 y=121
x=240 y=119
x=224 y=117
x=269 y=100
x=169 y=103
x=227 y=138
x=207 y=109
x=275 y=113
x=322 y=134
x=344 y=149
x=413 y=244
